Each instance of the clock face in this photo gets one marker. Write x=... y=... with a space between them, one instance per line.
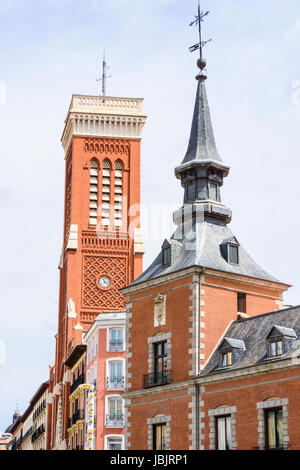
x=104 y=282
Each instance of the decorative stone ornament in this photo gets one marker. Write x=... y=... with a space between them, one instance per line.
x=160 y=310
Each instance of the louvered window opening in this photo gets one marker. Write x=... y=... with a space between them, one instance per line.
x=94 y=177
x=118 y=195
x=106 y=182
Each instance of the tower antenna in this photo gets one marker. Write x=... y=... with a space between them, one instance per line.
x=197 y=22
x=104 y=75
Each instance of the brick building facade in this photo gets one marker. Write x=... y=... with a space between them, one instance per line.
x=178 y=310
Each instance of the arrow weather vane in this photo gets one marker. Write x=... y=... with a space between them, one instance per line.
x=197 y=22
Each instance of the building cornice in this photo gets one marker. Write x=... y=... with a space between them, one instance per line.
x=101 y=116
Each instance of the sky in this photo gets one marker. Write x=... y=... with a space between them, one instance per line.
x=51 y=49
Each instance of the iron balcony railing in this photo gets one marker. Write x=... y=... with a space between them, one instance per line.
x=159 y=378
x=76 y=383
x=38 y=433
x=115 y=419
x=29 y=432
x=279 y=447
x=116 y=347
x=115 y=383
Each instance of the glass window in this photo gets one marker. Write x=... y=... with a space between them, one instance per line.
x=233 y=254
x=276 y=348
x=166 y=256
x=115 y=409
x=223 y=428
x=116 y=370
x=116 y=339
x=160 y=437
x=274 y=429
x=227 y=358
x=114 y=443
x=160 y=361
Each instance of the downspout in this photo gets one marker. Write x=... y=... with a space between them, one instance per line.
x=197 y=390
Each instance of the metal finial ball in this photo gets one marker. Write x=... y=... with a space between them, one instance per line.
x=201 y=63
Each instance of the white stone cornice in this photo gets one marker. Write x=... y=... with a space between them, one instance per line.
x=94 y=116
x=155 y=390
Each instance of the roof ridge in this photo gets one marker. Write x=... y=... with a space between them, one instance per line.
x=242 y=320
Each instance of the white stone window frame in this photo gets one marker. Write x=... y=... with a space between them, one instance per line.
x=107 y=399
x=108 y=362
x=218 y=412
x=271 y=404
x=151 y=422
x=108 y=338
x=113 y=436
x=158 y=339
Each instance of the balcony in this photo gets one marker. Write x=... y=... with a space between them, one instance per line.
x=76 y=383
x=38 y=433
x=115 y=383
x=28 y=434
x=116 y=347
x=114 y=420
x=279 y=447
x=157 y=379
x=77 y=416
x=39 y=410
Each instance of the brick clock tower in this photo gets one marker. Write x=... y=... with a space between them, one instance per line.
x=102 y=247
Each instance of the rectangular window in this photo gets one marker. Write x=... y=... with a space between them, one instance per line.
x=274 y=429
x=223 y=429
x=115 y=411
x=233 y=254
x=114 y=443
x=241 y=303
x=160 y=362
x=227 y=359
x=213 y=192
x=276 y=348
x=116 y=340
x=167 y=256
x=160 y=437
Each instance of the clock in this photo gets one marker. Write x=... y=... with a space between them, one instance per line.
x=104 y=282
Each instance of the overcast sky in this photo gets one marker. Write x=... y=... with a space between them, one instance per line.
x=50 y=49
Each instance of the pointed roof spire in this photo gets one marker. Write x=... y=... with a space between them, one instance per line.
x=202 y=145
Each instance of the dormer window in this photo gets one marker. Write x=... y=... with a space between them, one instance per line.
x=279 y=341
x=230 y=250
x=230 y=351
x=166 y=253
x=167 y=256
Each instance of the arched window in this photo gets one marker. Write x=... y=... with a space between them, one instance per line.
x=106 y=193
x=118 y=194
x=94 y=176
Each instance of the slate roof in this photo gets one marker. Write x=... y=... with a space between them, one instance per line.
x=234 y=343
x=254 y=332
x=202 y=145
x=205 y=252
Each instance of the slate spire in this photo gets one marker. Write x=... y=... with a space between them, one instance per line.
x=202 y=145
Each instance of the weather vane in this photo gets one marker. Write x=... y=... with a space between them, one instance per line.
x=197 y=22
x=104 y=75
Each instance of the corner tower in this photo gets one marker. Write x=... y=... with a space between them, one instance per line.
x=102 y=247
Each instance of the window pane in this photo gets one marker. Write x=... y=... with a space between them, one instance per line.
x=273 y=349
x=279 y=348
x=279 y=427
x=114 y=444
x=271 y=429
x=228 y=433
x=221 y=423
x=160 y=432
